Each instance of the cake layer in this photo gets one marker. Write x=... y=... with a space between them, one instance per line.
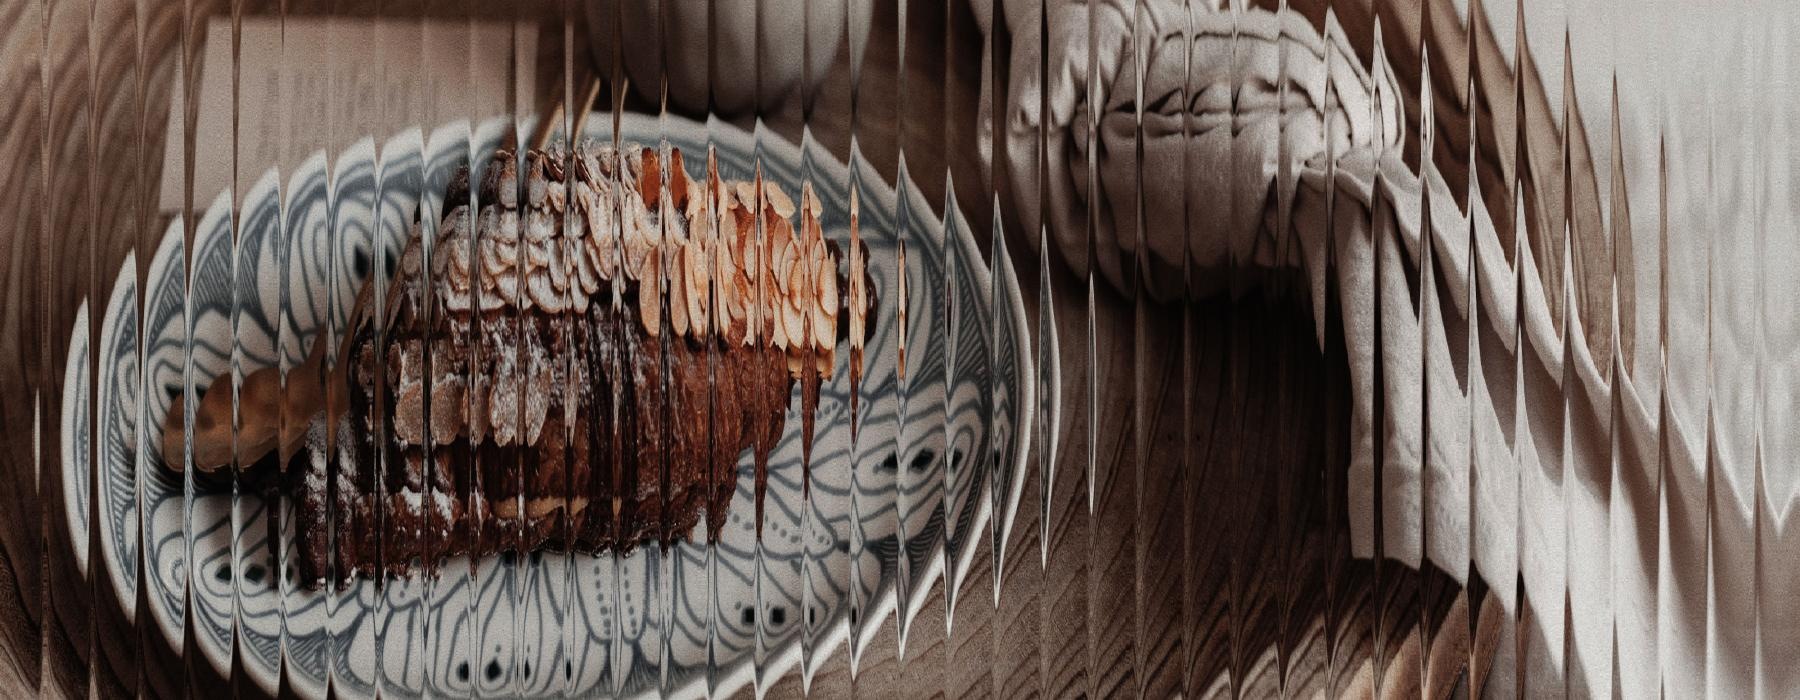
x=579 y=365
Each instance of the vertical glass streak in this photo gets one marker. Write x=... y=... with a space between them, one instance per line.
x=809 y=373
x=1189 y=480
x=1382 y=589
x=763 y=343
x=904 y=575
x=287 y=337
x=855 y=253
x=1735 y=143
x=715 y=201
x=148 y=238
x=1778 y=546
x=469 y=483
x=1335 y=607
x=241 y=270
x=68 y=274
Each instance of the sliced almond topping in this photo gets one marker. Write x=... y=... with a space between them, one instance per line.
x=810 y=210
x=500 y=226
x=540 y=225
x=457 y=300
x=735 y=319
x=744 y=311
x=778 y=328
x=537 y=507
x=794 y=317
x=678 y=293
x=779 y=229
x=638 y=243
x=543 y=292
x=778 y=200
x=822 y=324
x=675 y=226
x=723 y=201
x=491 y=300
x=699 y=283
x=537 y=254
x=746 y=193
x=859 y=294
x=596 y=213
x=587 y=267
x=506 y=179
x=650 y=179
x=768 y=307
x=447 y=407
x=900 y=310
x=456 y=224
x=605 y=162
x=593 y=258
x=558 y=199
x=712 y=174
x=562 y=265
x=797 y=297
x=536 y=185
x=699 y=213
x=746 y=249
x=678 y=180
x=785 y=267
x=456 y=253
x=496 y=262
x=506 y=286
x=803 y=288
x=825 y=311
x=606 y=254
x=722 y=287
x=812 y=205
x=651 y=272
x=553 y=164
x=649 y=294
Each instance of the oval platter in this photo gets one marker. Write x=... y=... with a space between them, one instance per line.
x=935 y=457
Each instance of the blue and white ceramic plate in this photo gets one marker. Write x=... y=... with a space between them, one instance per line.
x=933 y=460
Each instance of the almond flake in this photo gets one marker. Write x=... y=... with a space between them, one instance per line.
x=543 y=291
x=678 y=316
x=650 y=179
x=678 y=181
x=699 y=283
x=540 y=225
x=746 y=193
x=536 y=185
x=503 y=227
x=558 y=199
x=649 y=293
x=778 y=200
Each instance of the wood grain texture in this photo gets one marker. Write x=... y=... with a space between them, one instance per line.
x=22 y=365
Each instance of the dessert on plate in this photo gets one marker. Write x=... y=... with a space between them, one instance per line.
x=577 y=360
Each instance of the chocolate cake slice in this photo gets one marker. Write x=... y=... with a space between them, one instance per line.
x=590 y=349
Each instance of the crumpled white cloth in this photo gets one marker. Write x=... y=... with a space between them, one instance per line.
x=1545 y=467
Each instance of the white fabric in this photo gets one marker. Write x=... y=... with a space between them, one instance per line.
x=1589 y=481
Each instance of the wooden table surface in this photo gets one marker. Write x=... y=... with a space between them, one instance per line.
x=1215 y=552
